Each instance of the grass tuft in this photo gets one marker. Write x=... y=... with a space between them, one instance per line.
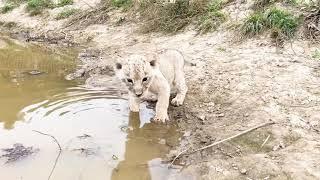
x=213 y=18
x=316 y=54
x=35 y=7
x=10 y=5
x=7 y=7
x=254 y=24
x=282 y=21
x=125 y=4
x=66 y=13
x=62 y=3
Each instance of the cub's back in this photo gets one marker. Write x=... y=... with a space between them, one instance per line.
x=170 y=61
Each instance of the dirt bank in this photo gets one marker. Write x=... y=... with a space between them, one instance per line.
x=232 y=87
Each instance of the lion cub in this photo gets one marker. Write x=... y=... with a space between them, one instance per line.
x=153 y=78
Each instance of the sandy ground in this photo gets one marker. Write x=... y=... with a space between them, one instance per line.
x=232 y=87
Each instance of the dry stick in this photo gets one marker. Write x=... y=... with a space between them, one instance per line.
x=265 y=141
x=221 y=141
x=58 y=156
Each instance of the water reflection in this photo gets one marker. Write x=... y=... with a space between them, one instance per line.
x=144 y=146
x=18 y=88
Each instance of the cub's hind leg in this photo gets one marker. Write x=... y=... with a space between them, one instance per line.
x=181 y=87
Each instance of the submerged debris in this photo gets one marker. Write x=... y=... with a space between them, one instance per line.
x=84 y=136
x=18 y=152
x=86 y=151
x=34 y=72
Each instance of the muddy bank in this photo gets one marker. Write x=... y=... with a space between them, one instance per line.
x=232 y=87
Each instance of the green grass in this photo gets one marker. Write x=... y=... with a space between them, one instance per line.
x=62 y=3
x=213 y=17
x=7 y=7
x=66 y=13
x=122 y=3
x=291 y=2
x=316 y=54
x=282 y=21
x=10 y=5
x=211 y=21
x=277 y=20
x=254 y=24
x=35 y=7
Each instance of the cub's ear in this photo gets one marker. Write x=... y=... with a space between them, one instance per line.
x=153 y=60
x=118 y=66
x=153 y=63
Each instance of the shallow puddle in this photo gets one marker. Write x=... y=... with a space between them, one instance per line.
x=99 y=138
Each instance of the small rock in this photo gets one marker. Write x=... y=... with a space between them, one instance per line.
x=219 y=169
x=202 y=117
x=276 y=147
x=162 y=141
x=235 y=167
x=187 y=134
x=266 y=178
x=34 y=72
x=220 y=115
x=243 y=171
x=282 y=145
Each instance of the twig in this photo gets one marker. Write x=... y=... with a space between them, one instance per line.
x=177 y=156
x=221 y=141
x=58 y=156
x=265 y=141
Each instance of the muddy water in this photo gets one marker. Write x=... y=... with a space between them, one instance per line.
x=99 y=138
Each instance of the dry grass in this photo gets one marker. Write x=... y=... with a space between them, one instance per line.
x=174 y=17
x=97 y=15
x=312 y=23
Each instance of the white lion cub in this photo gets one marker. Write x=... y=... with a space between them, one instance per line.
x=152 y=78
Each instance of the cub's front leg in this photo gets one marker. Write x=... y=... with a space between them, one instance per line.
x=162 y=104
x=134 y=103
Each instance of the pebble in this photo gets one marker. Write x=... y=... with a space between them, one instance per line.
x=219 y=169
x=243 y=171
x=202 y=117
x=162 y=141
x=234 y=166
x=187 y=134
x=220 y=115
x=34 y=72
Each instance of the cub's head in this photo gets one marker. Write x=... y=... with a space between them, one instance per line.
x=137 y=72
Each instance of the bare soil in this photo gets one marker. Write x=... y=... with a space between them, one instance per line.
x=233 y=86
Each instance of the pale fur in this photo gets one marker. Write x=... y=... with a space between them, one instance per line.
x=164 y=72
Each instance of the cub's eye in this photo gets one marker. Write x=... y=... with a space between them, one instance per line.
x=145 y=79
x=130 y=80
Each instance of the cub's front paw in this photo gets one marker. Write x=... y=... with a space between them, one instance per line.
x=134 y=108
x=161 y=118
x=177 y=101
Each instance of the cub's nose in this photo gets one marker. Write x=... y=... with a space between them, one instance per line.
x=138 y=94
